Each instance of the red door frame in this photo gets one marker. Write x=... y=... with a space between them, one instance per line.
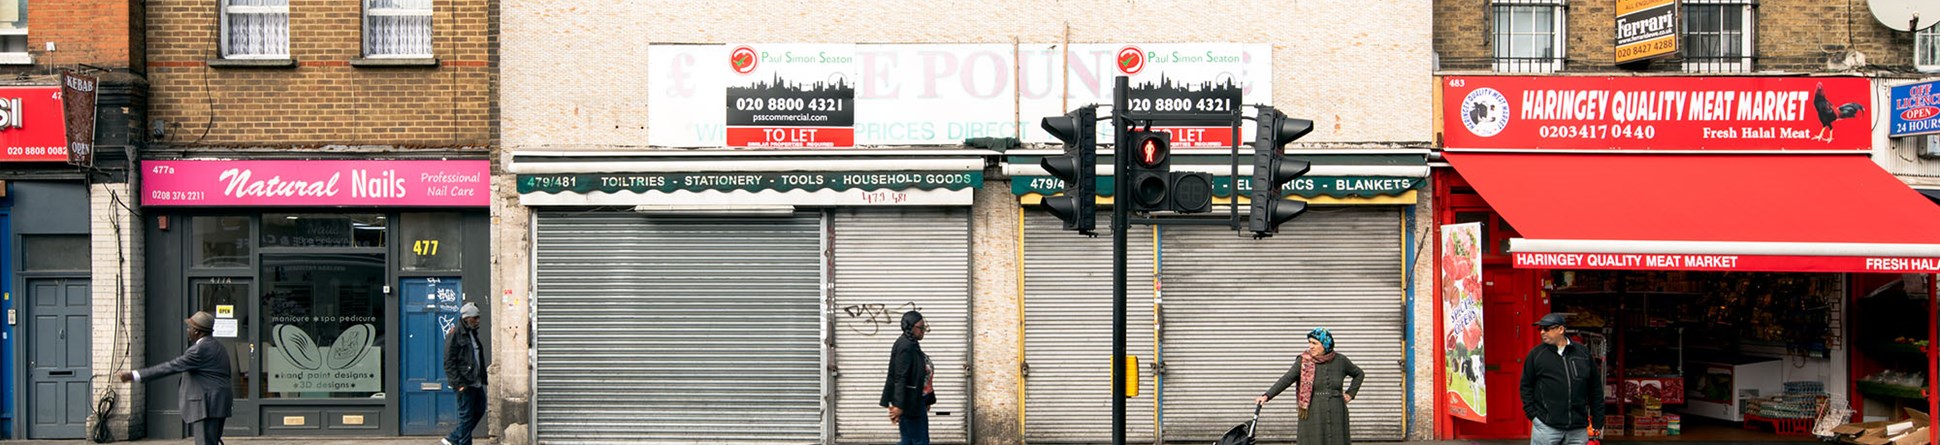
x=1454 y=195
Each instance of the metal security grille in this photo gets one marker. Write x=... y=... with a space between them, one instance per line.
x=1067 y=332
x=1237 y=312
x=889 y=261
x=678 y=330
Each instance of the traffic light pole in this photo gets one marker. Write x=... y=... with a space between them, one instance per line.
x=1120 y=223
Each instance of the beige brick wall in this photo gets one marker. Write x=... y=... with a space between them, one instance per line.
x=323 y=101
x=116 y=321
x=996 y=308
x=573 y=72
x=1791 y=36
x=511 y=315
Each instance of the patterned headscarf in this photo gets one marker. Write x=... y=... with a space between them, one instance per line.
x=1325 y=337
x=1308 y=362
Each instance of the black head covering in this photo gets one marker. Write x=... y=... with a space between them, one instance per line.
x=909 y=321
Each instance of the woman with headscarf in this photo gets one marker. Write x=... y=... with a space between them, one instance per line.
x=910 y=389
x=1323 y=405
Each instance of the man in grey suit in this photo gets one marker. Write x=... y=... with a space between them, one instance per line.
x=205 y=395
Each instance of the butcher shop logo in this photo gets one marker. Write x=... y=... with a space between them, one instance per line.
x=1485 y=112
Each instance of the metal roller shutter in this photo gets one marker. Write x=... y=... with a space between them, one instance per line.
x=1067 y=332
x=1237 y=312
x=678 y=330
x=888 y=261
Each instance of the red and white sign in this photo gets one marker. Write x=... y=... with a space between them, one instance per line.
x=1657 y=113
x=1726 y=263
x=32 y=125
x=317 y=183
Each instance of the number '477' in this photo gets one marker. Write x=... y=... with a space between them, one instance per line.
x=425 y=247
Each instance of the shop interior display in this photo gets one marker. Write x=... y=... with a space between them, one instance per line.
x=1705 y=344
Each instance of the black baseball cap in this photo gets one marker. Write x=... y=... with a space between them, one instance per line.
x=1552 y=320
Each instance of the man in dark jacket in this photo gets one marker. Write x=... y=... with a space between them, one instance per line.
x=1562 y=390
x=206 y=397
x=465 y=371
x=910 y=390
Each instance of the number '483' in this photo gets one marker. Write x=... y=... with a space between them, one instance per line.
x=425 y=247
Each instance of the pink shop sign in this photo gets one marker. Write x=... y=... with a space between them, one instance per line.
x=316 y=183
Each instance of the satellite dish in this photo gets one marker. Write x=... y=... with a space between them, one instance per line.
x=1906 y=15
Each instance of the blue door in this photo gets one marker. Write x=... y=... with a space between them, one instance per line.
x=430 y=309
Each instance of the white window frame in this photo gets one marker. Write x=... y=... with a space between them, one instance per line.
x=25 y=56
x=396 y=12
x=1747 y=46
x=1559 y=37
x=225 y=9
x=1926 y=50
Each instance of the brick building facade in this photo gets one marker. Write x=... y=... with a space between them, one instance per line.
x=381 y=111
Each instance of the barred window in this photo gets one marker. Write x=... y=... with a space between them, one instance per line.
x=1926 y=49
x=1529 y=35
x=1718 y=35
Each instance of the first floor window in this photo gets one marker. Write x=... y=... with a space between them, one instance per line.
x=397 y=28
x=1528 y=35
x=256 y=29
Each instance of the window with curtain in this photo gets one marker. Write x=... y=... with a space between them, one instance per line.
x=397 y=28
x=1717 y=36
x=1926 y=49
x=1528 y=35
x=256 y=29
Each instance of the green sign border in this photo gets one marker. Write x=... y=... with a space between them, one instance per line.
x=583 y=183
x=1305 y=186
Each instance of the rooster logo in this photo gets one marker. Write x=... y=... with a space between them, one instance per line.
x=1485 y=112
x=1828 y=114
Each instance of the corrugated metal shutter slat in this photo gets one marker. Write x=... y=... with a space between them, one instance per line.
x=678 y=330
x=1067 y=332
x=1237 y=312
x=888 y=261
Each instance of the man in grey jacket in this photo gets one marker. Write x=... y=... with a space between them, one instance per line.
x=465 y=371
x=206 y=397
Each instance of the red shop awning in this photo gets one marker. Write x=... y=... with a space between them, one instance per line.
x=1732 y=212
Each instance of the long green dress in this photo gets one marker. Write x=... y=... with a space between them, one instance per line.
x=1325 y=422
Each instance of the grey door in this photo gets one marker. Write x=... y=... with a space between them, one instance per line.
x=58 y=359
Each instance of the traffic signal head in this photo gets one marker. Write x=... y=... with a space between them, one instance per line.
x=1271 y=170
x=1150 y=170
x=1078 y=205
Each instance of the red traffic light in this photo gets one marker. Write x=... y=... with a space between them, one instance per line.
x=1153 y=148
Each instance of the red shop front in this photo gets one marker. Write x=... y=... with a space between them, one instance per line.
x=1738 y=264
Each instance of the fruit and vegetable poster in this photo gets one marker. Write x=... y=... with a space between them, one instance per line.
x=1461 y=280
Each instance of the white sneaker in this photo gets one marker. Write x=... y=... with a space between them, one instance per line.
x=442 y=441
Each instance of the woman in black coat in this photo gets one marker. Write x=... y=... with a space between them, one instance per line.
x=1323 y=405
x=909 y=391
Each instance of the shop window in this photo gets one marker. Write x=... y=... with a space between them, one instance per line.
x=323 y=230
x=13 y=33
x=255 y=29
x=228 y=299
x=1528 y=35
x=54 y=252
x=1926 y=49
x=434 y=241
x=222 y=241
x=325 y=332
x=397 y=28
x=1718 y=36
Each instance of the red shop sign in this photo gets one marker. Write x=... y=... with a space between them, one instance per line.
x=1656 y=113
x=32 y=126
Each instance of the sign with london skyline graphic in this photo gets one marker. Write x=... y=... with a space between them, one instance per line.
x=791 y=96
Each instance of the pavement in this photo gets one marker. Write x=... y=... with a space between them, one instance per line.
x=388 y=440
